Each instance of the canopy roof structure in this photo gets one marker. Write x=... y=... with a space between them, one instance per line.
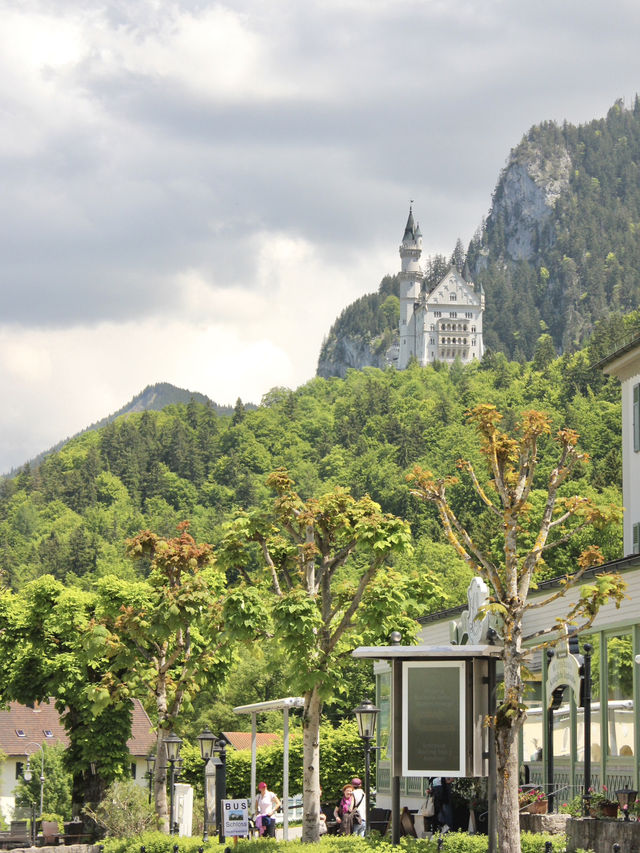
x=284 y=705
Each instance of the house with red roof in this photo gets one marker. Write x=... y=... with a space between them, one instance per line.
x=24 y=729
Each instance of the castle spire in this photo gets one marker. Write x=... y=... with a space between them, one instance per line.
x=410 y=228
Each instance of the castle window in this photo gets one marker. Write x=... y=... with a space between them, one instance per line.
x=437 y=313
x=404 y=322
x=464 y=328
x=473 y=342
x=453 y=314
x=452 y=297
x=473 y=328
x=468 y=315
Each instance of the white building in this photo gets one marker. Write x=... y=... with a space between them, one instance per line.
x=624 y=363
x=440 y=324
x=24 y=730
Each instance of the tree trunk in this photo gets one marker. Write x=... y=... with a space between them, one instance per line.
x=508 y=722
x=160 y=783
x=311 y=766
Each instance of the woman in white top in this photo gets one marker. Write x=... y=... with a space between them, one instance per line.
x=267 y=804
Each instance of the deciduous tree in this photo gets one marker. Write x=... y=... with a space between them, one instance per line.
x=511 y=571
x=322 y=561
x=164 y=636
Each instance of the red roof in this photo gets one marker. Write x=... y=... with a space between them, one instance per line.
x=242 y=740
x=21 y=725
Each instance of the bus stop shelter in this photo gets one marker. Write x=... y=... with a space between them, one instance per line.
x=284 y=705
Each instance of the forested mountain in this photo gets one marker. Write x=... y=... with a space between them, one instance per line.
x=152 y=398
x=71 y=515
x=558 y=251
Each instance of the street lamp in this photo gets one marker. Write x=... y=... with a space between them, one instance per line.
x=28 y=774
x=367 y=717
x=172 y=744
x=151 y=764
x=208 y=742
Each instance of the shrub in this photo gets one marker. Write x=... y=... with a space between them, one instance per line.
x=125 y=811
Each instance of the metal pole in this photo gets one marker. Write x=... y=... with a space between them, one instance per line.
x=205 y=834
x=367 y=782
x=285 y=776
x=588 y=648
x=221 y=786
x=492 y=817
x=171 y=787
x=253 y=759
x=550 y=700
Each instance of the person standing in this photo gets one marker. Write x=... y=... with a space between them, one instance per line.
x=361 y=805
x=345 y=812
x=267 y=804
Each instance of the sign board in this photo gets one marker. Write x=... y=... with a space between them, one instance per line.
x=235 y=817
x=434 y=712
x=563 y=671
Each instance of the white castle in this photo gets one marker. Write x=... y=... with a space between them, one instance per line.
x=442 y=324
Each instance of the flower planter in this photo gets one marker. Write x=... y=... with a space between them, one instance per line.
x=604 y=810
x=538 y=807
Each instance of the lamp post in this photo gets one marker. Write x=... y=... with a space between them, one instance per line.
x=151 y=763
x=367 y=717
x=220 y=761
x=28 y=775
x=172 y=744
x=207 y=741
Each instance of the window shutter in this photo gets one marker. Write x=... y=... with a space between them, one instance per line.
x=636 y=539
x=636 y=417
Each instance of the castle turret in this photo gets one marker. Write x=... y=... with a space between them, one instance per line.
x=411 y=276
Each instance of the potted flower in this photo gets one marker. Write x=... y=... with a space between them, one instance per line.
x=532 y=800
x=600 y=805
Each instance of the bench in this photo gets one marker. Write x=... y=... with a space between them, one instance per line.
x=16 y=836
x=379 y=820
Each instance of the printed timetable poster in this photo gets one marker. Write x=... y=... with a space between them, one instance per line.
x=433 y=718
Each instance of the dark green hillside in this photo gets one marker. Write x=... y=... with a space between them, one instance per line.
x=583 y=260
x=558 y=252
x=153 y=398
x=70 y=516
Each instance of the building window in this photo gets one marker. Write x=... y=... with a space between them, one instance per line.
x=635 y=545
x=636 y=417
x=134 y=770
x=404 y=322
x=452 y=297
x=47 y=732
x=620 y=713
x=20 y=733
x=437 y=313
x=473 y=328
x=453 y=314
x=468 y=315
x=19 y=769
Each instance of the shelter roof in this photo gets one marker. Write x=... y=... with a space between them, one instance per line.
x=447 y=652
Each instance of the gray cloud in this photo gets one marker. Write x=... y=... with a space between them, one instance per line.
x=148 y=144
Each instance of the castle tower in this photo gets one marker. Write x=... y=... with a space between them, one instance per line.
x=411 y=275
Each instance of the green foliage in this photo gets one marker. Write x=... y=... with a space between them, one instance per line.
x=157 y=842
x=125 y=811
x=581 y=267
x=57 y=782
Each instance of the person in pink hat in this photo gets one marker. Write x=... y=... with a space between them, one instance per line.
x=267 y=804
x=361 y=805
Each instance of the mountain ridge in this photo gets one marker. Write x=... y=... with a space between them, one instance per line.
x=558 y=251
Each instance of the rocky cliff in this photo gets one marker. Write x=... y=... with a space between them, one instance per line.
x=558 y=251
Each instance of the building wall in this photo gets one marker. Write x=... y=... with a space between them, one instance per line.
x=626 y=367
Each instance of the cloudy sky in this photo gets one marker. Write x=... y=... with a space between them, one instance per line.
x=193 y=190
